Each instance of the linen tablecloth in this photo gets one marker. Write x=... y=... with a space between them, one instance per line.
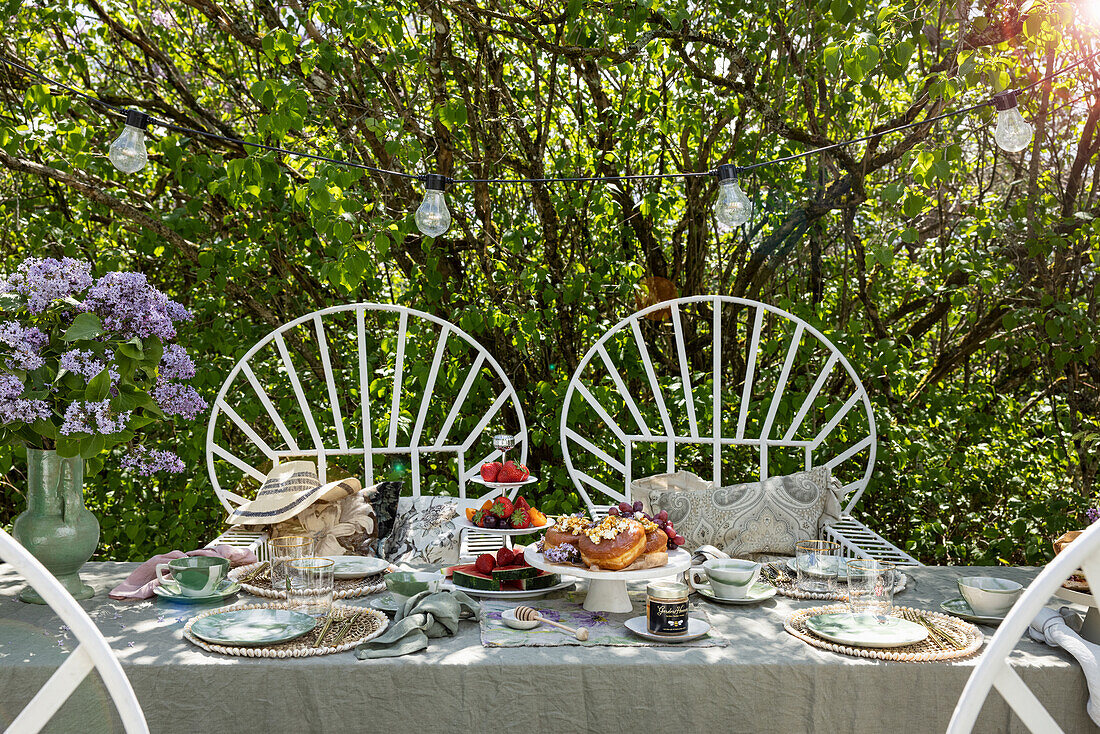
x=764 y=681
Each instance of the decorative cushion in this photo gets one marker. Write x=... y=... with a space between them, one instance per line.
x=384 y=501
x=755 y=517
x=424 y=531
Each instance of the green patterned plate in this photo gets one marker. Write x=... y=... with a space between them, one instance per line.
x=356 y=567
x=253 y=627
x=866 y=630
x=170 y=591
x=758 y=593
x=960 y=608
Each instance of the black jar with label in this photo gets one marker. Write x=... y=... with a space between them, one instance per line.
x=666 y=608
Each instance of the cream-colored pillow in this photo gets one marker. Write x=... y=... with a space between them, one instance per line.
x=755 y=517
x=674 y=481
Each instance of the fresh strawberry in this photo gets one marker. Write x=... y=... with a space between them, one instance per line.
x=518 y=560
x=526 y=473
x=479 y=518
x=490 y=471
x=520 y=502
x=502 y=507
x=521 y=518
x=485 y=563
x=505 y=557
x=511 y=473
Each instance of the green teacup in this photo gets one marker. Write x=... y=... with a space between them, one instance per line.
x=405 y=584
x=195 y=575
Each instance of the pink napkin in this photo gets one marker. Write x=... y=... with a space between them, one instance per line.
x=140 y=584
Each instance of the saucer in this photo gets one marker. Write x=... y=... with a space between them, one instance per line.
x=866 y=630
x=758 y=593
x=961 y=608
x=696 y=629
x=171 y=592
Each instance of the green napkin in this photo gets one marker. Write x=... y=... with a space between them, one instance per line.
x=428 y=614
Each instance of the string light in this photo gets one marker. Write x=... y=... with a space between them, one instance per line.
x=1013 y=133
x=432 y=216
x=128 y=152
x=733 y=208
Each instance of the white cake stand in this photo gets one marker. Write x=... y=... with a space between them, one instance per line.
x=607 y=589
x=1090 y=627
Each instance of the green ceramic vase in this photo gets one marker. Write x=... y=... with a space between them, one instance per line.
x=56 y=527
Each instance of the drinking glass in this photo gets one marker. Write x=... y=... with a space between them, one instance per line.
x=504 y=443
x=284 y=549
x=310 y=585
x=817 y=562
x=871 y=586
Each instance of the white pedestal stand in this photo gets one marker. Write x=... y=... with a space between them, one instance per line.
x=1090 y=627
x=607 y=589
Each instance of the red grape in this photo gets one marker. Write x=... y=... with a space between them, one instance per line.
x=662 y=515
x=625 y=507
x=679 y=540
x=614 y=511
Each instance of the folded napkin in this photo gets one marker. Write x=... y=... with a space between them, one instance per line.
x=1050 y=627
x=140 y=584
x=428 y=614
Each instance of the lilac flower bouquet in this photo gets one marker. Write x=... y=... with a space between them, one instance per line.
x=87 y=363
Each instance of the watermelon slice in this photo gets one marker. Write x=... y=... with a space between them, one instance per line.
x=542 y=581
x=469 y=577
x=514 y=573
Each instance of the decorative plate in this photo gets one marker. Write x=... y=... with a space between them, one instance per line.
x=477 y=479
x=356 y=567
x=253 y=627
x=866 y=630
x=170 y=591
x=511 y=594
x=961 y=608
x=696 y=629
x=383 y=602
x=758 y=593
x=464 y=524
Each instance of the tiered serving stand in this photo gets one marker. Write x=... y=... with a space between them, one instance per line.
x=607 y=589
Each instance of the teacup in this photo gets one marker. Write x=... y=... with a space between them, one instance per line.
x=195 y=575
x=730 y=578
x=988 y=596
x=405 y=584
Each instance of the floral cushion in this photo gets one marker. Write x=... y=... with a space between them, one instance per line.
x=383 y=499
x=677 y=480
x=425 y=531
x=766 y=517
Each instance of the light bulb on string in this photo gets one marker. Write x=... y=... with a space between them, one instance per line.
x=432 y=216
x=127 y=152
x=1013 y=132
x=733 y=208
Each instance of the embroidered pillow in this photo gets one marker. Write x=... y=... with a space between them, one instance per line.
x=424 y=531
x=755 y=517
x=384 y=501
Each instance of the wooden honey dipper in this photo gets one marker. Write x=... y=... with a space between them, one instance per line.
x=527 y=614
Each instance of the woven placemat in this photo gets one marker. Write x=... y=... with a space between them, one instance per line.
x=786 y=585
x=968 y=637
x=260 y=584
x=368 y=624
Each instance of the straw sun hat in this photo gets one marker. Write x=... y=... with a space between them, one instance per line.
x=288 y=489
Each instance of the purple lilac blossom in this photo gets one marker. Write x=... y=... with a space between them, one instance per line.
x=162 y=18
x=563 y=553
x=145 y=462
x=10 y=387
x=129 y=306
x=45 y=280
x=85 y=363
x=95 y=418
x=25 y=343
x=175 y=364
x=1093 y=514
x=17 y=410
x=175 y=398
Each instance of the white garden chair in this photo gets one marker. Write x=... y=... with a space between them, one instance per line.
x=994 y=671
x=91 y=653
x=792 y=406
x=349 y=385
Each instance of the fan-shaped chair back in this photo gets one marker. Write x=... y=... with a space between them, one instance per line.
x=91 y=653
x=739 y=387
x=994 y=671
x=364 y=389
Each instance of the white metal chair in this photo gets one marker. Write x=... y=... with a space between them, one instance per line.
x=994 y=671
x=92 y=652
x=789 y=405
x=445 y=395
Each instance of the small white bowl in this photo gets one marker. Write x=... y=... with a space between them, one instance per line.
x=509 y=617
x=989 y=596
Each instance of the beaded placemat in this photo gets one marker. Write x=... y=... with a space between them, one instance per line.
x=787 y=585
x=366 y=624
x=255 y=578
x=952 y=640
